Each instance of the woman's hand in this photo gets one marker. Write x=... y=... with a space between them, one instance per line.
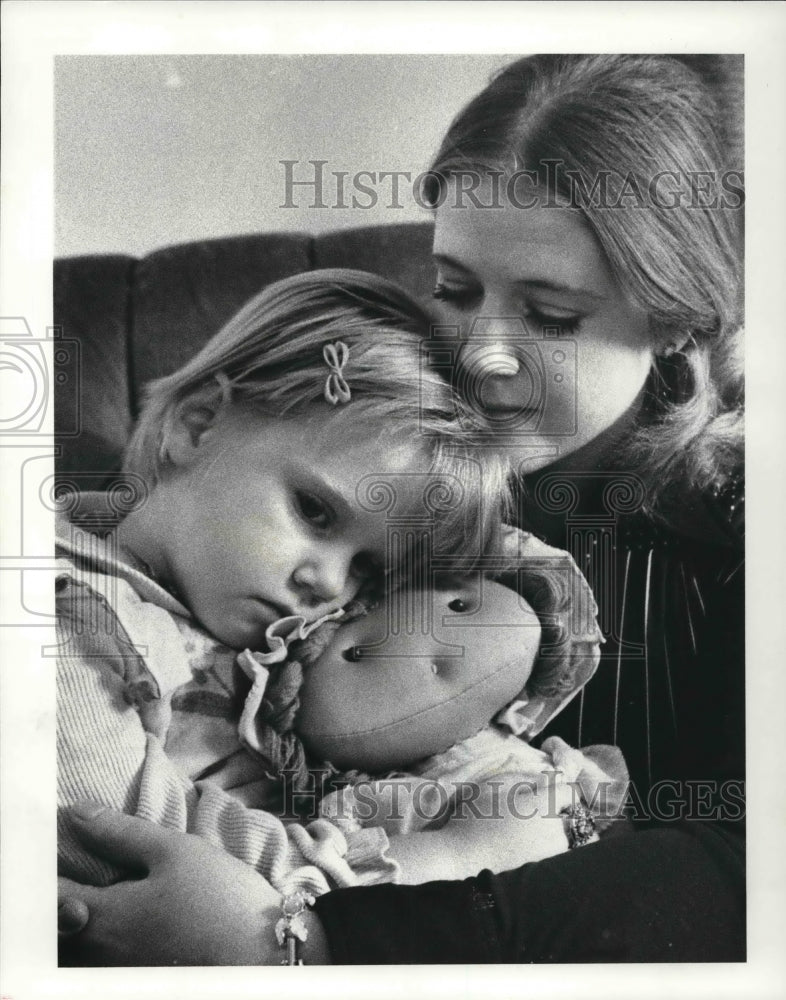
x=187 y=903
x=504 y=823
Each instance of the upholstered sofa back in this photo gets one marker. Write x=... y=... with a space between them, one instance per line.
x=135 y=320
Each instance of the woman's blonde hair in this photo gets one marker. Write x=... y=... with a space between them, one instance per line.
x=622 y=119
x=268 y=359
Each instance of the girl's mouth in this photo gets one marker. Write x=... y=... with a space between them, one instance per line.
x=276 y=610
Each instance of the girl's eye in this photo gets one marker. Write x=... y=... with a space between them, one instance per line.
x=314 y=510
x=458 y=605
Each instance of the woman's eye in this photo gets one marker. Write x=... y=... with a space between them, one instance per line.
x=469 y=297
x=459 y=296
x=458 y=605
x=314 y=510
x=565 y=324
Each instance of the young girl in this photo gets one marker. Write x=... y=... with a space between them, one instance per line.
x=271 y=473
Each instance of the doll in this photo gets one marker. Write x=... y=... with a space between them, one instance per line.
x=419 y=710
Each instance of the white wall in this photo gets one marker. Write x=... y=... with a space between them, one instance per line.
x=153 y=150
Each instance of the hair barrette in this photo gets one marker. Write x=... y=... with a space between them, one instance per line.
x=336 y=388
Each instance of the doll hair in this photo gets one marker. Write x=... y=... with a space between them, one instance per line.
x=630 y=117
x=282 y=751
x=269 y=360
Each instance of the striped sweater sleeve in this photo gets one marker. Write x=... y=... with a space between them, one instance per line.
x=110 y=749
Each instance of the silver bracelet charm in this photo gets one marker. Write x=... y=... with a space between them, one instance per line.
x=291 y=927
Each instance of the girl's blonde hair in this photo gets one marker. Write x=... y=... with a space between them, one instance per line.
x=268 y=359
x=625 y=118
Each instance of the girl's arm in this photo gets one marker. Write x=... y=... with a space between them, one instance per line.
x=190 y=903
x=107 y=754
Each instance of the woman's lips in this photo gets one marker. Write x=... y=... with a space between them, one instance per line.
x=525 y=417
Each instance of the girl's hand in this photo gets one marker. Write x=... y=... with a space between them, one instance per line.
x=187 y=903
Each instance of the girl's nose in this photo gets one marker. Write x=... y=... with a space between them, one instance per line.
x=320 y=581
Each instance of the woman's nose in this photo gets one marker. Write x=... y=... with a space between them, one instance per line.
x=489 y=349
x=489 y=359
x=496 y=370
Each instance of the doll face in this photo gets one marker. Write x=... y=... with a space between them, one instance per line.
x=390 y=690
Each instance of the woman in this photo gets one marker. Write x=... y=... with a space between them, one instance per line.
x=587 y=248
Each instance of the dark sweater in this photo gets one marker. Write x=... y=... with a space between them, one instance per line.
x=670 y=692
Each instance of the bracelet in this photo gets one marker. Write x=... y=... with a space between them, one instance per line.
x=580 y=825
x=291 y=928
